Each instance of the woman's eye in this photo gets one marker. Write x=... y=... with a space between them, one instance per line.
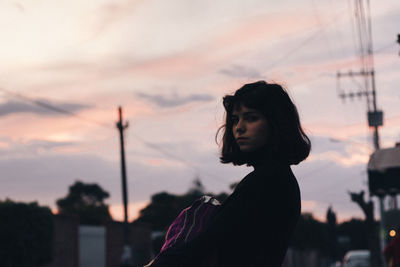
x=252 y=118
x=235 y=120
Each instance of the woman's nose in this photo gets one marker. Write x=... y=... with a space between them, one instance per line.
x=240 y=127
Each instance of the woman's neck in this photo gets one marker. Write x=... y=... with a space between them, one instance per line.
x=260 y=158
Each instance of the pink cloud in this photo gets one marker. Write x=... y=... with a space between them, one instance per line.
x=226 y=44
x=155 y=162
x=333 y=130
x=353 y=159
x=340 y=131
x=265 y=27
x=223 y=45
x=108 y=14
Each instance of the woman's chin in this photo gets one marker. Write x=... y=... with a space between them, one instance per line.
x=246 y=149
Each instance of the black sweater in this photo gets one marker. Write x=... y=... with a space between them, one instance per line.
x=252 y=227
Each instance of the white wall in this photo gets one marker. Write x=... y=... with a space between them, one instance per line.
x=92 y=246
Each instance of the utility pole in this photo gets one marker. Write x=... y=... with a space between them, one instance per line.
x=375 y=116
x=398 y=40
x=126 y=259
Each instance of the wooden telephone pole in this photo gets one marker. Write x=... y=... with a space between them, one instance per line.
x=126 y=259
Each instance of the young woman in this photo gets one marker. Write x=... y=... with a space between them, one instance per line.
x=253 y=226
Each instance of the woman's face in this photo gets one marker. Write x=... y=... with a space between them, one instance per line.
x=250 y=128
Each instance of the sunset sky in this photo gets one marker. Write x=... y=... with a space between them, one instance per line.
x=168 y=64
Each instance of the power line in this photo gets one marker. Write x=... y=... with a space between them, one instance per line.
x=383 y=48
x=343 y=180
x=353 y=26
x=338 y=32
x=329 y=163
x=347 y=140
x=105 y=125
x=318 y=20
x=152 y=145
x=303 y=43
x=295 y=49
x=316 y=170
x=179 y=159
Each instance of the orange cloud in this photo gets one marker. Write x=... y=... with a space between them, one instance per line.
x=308 y=204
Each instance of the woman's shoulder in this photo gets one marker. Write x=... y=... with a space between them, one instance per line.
x=276 y=182
x=270 y=180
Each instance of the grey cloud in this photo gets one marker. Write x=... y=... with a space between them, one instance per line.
x=16 y=149
x=40 y=107
x=175 y=100
x=322 y=144
x=49 y=144
x=240 y=71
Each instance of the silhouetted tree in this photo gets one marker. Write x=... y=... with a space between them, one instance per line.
x=311 y=234
x=161 y=211
x=197 y=188
x=26 y=234
x=332 y=234
x=353 y=235
x=372 y=227
x=86 y=201
x=165 y=207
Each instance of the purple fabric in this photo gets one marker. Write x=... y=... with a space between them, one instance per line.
x=191 y=221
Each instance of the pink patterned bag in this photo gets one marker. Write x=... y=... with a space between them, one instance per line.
x=190 y=222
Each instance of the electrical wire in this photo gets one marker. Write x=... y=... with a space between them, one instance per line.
x=338 y=32
x=383 y=48
x=353 y=26
x=162 y=150
x=302 y=44
x=107 y=126
x=315 y=170
x=318 y=20
x=335 y=182
x=295 y=49
x=311 y=173
x=179 y=159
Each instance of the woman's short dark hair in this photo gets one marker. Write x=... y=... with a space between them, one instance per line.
x=288 y=142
